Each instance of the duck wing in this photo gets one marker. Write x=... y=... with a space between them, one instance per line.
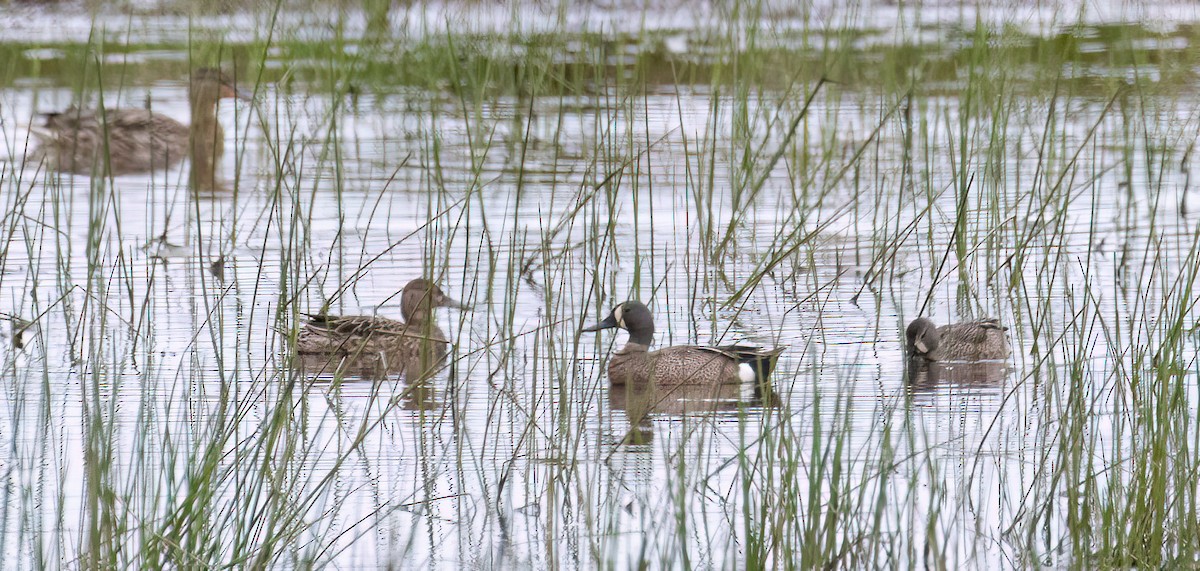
x=144 y=119
x=134 y=140
x=65 y=122
x=74 y=119
x=354 y=325
x=975 y=332
x=745 y=353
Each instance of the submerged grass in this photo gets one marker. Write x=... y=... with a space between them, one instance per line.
x=156 y=419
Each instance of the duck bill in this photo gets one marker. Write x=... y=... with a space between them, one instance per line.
x=608 y=323
x=454 y=304
x=235 y=92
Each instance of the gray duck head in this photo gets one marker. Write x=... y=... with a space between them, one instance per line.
x=632 y=316
x=209 y=84
x=923 y=337
x=420 y=297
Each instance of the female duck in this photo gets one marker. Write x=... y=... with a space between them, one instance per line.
x=138 y=140
x=982 y=340
x=372 y=346
x=636 y=364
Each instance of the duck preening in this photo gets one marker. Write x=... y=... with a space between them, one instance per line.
x=981 y=340
x=129 y=141
x=635 y=363
x=368 y=345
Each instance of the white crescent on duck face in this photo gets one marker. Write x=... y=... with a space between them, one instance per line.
x=682 y=364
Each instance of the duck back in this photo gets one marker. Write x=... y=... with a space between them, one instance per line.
x=371 y=346
x=973 y=341
x=133 y=140
x=678 y=365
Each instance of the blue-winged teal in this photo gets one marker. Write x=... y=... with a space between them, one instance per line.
x=635 y=363
x=368 y=345
x=982 y=340
x=138 y=140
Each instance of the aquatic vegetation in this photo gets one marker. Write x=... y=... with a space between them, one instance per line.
x=763 y=175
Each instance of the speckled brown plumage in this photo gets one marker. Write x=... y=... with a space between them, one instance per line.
x=635 y=363
x=138 y=140
x=981 y=340
x=366 y=345
x=681 y=364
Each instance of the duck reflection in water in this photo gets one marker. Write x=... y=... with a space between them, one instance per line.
x=641 y=400
x=923 y=375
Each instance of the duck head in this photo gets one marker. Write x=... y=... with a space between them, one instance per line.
x=632 y=316
x=923 y=338
x=419 y=298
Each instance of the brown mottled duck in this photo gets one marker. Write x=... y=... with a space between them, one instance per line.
x=371 y=346
x=139 y=140
x=983 y=340
x=635 y=363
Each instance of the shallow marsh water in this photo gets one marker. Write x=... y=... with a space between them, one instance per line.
x=152 y=414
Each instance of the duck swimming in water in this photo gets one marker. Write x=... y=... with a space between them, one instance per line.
x=982 y=340
x=129 y=141
x=636 y=364
x=369 y=345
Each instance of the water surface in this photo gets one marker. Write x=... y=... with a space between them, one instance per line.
x=1064 y=214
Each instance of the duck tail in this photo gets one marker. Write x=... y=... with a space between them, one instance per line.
x=761 y=361
x=41 y=133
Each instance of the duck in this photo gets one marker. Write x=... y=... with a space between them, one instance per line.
x=983 y=340
x=135 y=141
x=636 y=364
x=371 y=345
